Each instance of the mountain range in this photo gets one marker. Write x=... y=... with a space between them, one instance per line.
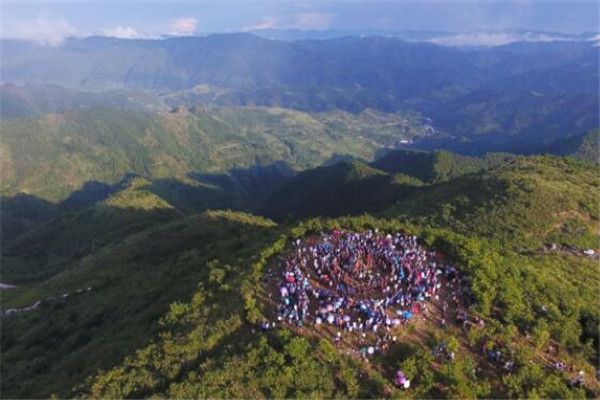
x=481 y=99
x=150 y=189
x=246 y=62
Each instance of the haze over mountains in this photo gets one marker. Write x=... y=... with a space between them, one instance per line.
x=520 y=92
x=246 y=61
x=473 y=38
x=150 y=186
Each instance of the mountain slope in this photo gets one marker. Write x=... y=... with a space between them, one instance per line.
x=31 y=99
x=588 y=149
x=53 y=155
x=234 y=61
x=436 y=166
x=352 y=187
x=22 y=213
x=492 y=117
x=486 y=99
x=348 y=187
x=527 y=202
x=560 y=289
x=583 y=146
x=40 y=253
x=53 y=348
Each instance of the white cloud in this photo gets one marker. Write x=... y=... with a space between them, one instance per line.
x=121 y=32
x=267 y=23
x=596 y=40
x=302 y=21
x=183 y=27
x=312 y=20
x=46 y=30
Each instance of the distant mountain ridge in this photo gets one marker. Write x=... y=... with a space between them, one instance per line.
x=481 y=99
x=474 y=38
x=245 y=61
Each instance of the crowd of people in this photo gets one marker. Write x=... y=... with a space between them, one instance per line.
x=368 y=283
x=360 y=282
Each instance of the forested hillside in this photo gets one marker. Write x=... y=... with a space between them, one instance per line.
x=528 y=201
x=493 y=224
x=348 y=187
x=132 y=283
x=496 y=277
x=55 y=154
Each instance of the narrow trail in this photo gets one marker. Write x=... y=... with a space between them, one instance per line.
x=39 y=303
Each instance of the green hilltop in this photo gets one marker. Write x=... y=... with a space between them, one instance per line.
x=436 y=166
x=174 y=304
x=348 y=187
x=528 y=200
x=67 y=237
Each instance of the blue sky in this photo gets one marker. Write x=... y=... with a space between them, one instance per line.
x=51 y=21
